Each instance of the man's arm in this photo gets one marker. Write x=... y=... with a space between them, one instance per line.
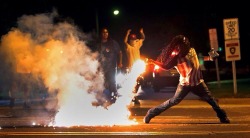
x=160 y=64
x=151 y=61
x=126 y=37
x=142 y=34
x=118 y=53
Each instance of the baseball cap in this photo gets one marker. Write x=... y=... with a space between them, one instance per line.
x=132 y=36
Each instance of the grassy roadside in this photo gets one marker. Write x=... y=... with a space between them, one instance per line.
x=226 y=89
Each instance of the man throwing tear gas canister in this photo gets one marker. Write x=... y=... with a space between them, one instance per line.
x=179 y=54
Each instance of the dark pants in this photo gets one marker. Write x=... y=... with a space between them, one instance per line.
x=200 y=90
x=110 y=82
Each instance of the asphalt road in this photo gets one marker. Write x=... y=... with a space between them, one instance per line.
x=191 y=118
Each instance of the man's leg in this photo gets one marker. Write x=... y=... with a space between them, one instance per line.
x=139 y=82
x=180 y=94
x=135 y=99
x=202 y=91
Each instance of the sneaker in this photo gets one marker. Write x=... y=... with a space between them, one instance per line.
x=223 y=116
x=224 y=120
x=147 y=119
x=135 y=101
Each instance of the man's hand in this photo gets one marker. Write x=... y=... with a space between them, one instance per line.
x=128 y=31
x=150 y=61
x=141 y=31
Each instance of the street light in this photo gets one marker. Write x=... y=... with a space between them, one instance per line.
x=116 y=12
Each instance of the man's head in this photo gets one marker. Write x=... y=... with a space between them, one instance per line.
x=132 y=39
x=104 y=34
x=178 y=47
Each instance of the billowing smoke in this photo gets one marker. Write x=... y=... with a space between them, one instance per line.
x=56 y=53
x=46 y=52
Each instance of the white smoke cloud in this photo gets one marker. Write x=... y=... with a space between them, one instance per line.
x=56 y=52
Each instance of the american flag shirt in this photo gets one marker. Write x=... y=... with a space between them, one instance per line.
x=189 y=69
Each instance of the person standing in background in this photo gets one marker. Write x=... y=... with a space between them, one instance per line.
x=132 y=48
x=110 y=59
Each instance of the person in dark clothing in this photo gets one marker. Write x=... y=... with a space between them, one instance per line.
x=183 y=57
x=110 y=59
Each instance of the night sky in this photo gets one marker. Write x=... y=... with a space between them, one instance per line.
x=161 y=20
